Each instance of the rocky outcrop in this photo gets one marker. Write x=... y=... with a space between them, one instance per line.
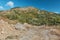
x=39 y=32
x=27 y=32
x=6 y=30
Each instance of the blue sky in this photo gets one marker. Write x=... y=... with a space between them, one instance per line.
x=49 y=5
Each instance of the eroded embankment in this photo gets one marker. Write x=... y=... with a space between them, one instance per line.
x=27 y=32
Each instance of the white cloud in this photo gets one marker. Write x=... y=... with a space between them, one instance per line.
x=56 y=12
x=10 y=3
x=1 y=7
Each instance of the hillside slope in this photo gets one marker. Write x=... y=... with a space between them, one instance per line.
x=29 y=24
x=7 y=30
x=32 y=16
x=27 y=32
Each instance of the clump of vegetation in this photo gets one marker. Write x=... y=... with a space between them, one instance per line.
x=34 y=17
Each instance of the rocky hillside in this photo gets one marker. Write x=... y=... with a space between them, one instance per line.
x=32 y=16
x=28 y=32
x=7 y=30
x=29 y=24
